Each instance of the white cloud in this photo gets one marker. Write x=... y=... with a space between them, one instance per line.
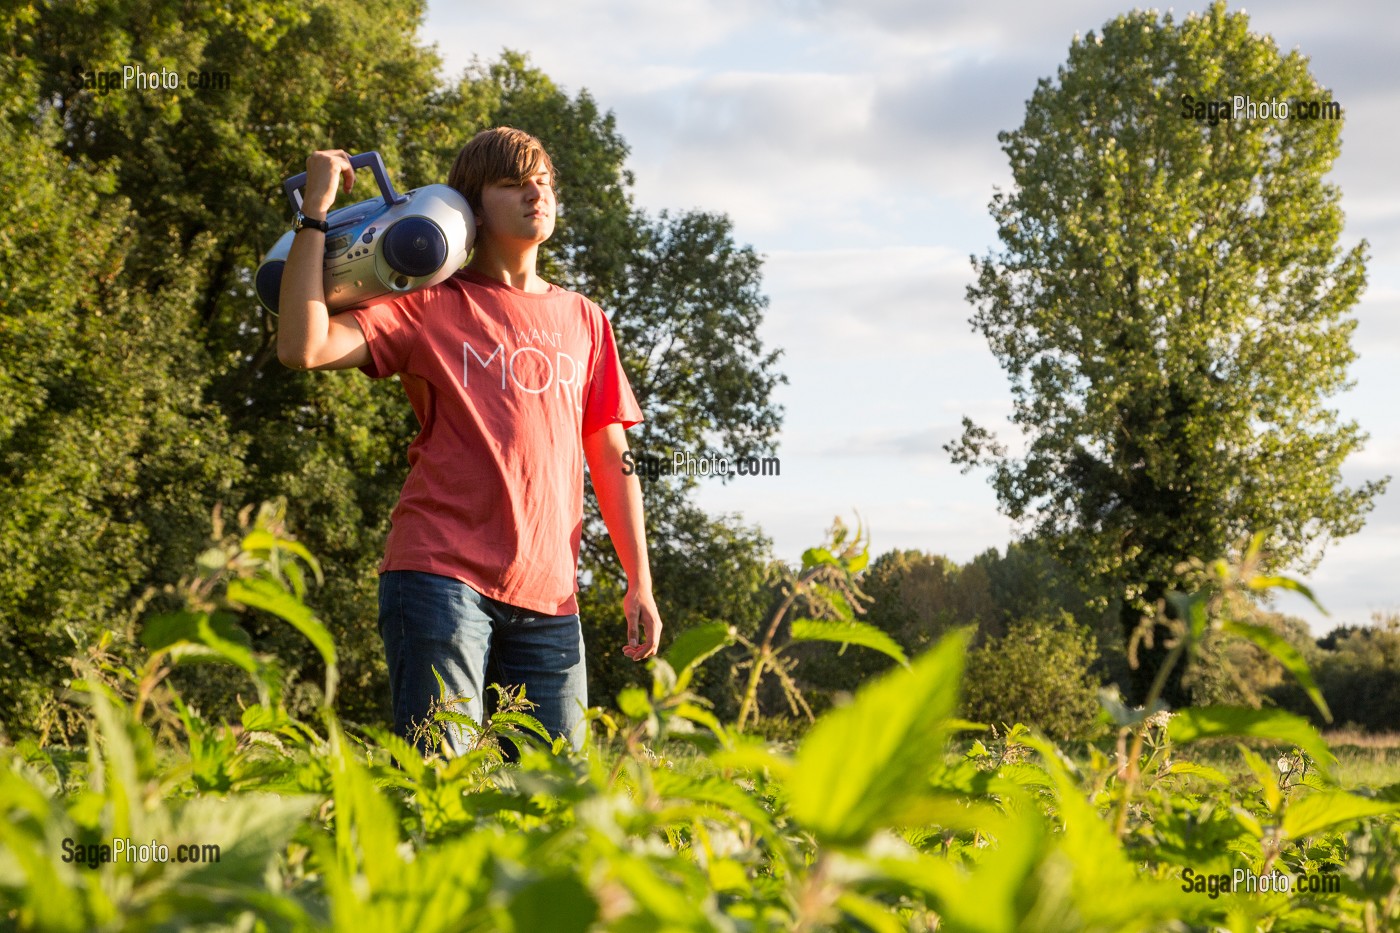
x=897 y=303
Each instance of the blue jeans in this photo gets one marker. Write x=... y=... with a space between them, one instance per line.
x=429 y=621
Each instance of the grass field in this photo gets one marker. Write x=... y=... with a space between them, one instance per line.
x=1363 y=760
x=1366 y=760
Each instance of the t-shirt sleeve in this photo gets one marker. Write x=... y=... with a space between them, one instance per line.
x=391 y=330
x=609 y=398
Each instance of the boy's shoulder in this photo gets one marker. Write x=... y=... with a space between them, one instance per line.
x=485 y=290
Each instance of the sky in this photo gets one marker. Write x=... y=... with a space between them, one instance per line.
x=854 y=147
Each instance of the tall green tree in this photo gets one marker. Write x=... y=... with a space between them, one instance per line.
x=109 y=457
x=200 y=170
x=1170 y=301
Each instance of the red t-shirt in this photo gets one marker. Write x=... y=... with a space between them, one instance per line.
x=505 y=384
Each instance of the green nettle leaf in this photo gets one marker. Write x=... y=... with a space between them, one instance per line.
x=861 y=766
x=716 y=791
x=259 y=718
x=871 y=914
x=250 y=830
x=1096 y=863
x=366 y=825
x=1000 y=876
x=1266 y=777
x=452 y=717
x=1330 y=809
x=1285 y=583
x=664 y=681
x=200 y=636
x=849 y=633
x=521 y=721
x=270 y=596
x=259 y=539
x=694 y=645
x=169 y=628
x=1209 y=722
x=1287 y=655
x=31 y=829
x=634 y=703
x=1206 y=772
x=405 y=756
x=563 y=904
x=703 y=717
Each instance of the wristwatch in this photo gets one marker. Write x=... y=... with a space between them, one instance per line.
x=302 y=222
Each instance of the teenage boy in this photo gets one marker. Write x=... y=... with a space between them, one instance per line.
x=516 y=382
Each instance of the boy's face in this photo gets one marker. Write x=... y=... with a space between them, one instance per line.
x=517 y=212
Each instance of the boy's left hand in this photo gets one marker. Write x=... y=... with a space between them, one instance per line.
x=643 y=624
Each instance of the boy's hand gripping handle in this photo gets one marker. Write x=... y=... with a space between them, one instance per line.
x=293 y=186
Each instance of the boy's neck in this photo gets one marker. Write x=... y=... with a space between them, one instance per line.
x=515 y=268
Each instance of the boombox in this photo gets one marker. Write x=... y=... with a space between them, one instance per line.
x=388 y=245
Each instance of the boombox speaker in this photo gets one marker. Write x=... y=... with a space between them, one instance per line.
x=388 y=245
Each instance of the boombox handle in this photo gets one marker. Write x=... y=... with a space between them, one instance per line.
x=375 y=163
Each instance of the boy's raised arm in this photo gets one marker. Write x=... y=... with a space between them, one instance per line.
x=307 y=336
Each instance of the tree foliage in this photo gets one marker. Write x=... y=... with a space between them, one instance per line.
x=1170 y=301
x=918 y=598
x=1038 y=674
x=108 y=454
x=1358 y=671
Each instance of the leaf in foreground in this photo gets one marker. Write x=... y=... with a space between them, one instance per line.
x=863 y=765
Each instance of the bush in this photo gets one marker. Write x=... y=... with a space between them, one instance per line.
x=1037 y=674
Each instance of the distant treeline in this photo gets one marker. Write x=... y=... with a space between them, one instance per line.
x=1042 y=650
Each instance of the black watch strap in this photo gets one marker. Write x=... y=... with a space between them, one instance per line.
x=302 y=222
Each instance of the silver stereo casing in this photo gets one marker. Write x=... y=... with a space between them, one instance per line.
x=383 y=246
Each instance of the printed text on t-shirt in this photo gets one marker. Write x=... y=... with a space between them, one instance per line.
x=528 y=368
